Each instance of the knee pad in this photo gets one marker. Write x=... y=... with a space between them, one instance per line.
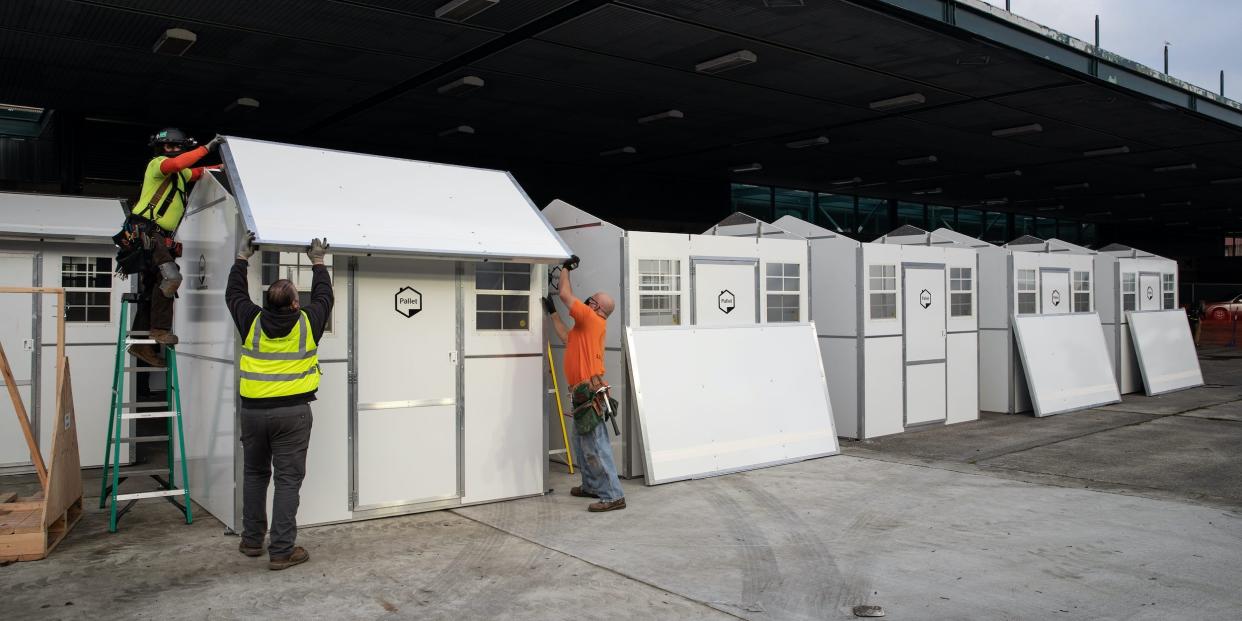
x=171 y=275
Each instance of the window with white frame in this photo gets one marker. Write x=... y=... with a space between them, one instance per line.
x=961 y=292
x=502 y=296
x=1166 y=289
x=296 y=267
x=659 y=292
x=1027 y=297
x=883 y=287
x=1082 y=292
x=1129 y=291
x=88 y=288
x=784 y=292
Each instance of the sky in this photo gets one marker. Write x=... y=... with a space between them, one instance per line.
x=1205 y=35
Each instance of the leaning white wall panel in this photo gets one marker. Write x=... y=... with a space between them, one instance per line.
x=503 y=441
x=882 y=388
x=414 y=207
x=704 y=410
x=1165 y=351
x=1065 y=362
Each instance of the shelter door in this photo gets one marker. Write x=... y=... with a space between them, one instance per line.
x=925 y=312
x=17 y=337
x=406 y=440
x=1054 y=291
x=1149 y=292
x=725 y=292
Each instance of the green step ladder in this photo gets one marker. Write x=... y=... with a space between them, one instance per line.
x=122 y=410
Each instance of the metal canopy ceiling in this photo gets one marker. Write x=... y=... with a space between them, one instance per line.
x=566 y=80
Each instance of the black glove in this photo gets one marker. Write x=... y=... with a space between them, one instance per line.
x=549 y=306
x=572 y=263
x=211 y=146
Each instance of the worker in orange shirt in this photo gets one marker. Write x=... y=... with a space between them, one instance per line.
x=584 y=370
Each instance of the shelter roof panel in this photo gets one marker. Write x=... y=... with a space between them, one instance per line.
x=52 y=216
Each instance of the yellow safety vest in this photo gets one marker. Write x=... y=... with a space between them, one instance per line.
x=168 y=210
x=279 y=367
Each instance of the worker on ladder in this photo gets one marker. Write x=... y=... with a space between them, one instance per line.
x=584 y=370
x=151 y=228
x=279 y=374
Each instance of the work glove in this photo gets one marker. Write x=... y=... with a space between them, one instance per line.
x=572 y=263
x=549 y=306
x=318 y=250
x=245 y=249
x=211 y=146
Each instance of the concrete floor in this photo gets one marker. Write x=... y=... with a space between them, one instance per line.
x=1132 y=511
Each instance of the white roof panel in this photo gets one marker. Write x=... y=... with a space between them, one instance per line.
x=369 y=203
x=44 y=215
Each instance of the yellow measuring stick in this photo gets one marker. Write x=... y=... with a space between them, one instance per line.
x=560 y=410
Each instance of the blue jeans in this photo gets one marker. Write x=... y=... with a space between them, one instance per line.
x=593 y=457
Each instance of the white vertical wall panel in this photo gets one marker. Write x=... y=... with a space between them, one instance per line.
x=1165 y=351
x=963 y=378
x=714 y=411
x=503 y=435
x=16 y=270
x=1066 y=363
x=291 y=193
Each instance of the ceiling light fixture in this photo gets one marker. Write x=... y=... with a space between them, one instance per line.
x=1051 y=208
x=462 y=10
x=243 y=103
x=1134 y=196
x=1007 y=174
x=174 y=42
x=1175 y=167
x=460 y=129
x=897 y=103
x=928 y=191
x=996 y=201
x=918 y=161
x=733 y=60
x=461 y=86
x=626 y=150
x=1229 y=181
x=1021 y=130
x=1182 y=223
x=1094 y=214
x=1121 y=150
x=1072 y=186
x=1144 y=219
x=850 y=181
x=809 y=142
x=745 y=168
x=1176 y=204
x=660 y=116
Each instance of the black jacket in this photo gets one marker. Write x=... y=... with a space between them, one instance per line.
x=277 y=323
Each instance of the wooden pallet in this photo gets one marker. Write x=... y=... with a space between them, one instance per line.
x=31 y=527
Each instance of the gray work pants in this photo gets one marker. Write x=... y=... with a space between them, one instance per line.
x=275 y=438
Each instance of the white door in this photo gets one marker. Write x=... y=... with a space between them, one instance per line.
x=407 y=429
x=725 y=292
x=925 y=309
x=17 y=338
x=1149 y=292
x=1054 y=292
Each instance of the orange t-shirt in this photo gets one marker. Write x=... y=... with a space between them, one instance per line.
x=584 y=351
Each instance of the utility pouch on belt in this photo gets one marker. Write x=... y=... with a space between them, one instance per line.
x=591 y=406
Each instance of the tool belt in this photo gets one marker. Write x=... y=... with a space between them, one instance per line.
x=592 y=406
x=135 y=243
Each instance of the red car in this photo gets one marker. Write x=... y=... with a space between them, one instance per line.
x=1223 y=310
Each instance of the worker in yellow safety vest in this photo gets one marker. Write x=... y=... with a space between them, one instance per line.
x=278 y=375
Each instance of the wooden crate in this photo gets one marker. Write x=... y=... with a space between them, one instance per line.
x=31 y=527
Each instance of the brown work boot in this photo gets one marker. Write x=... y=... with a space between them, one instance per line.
x=163 y=337
x=579 y=492
x=250 y=550
x=597 y=507
x=299 y=556
x=147 y=354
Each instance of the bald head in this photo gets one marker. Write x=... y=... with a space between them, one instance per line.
x=604 y=303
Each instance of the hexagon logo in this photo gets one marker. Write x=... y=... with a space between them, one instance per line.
x=408 y=301
x=1151 y=293
x=726 y=302
x=925 y=298
x=1056 y=297
x=202 y=271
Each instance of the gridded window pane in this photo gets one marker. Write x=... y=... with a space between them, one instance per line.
x=502 y=277
x=502 y=312
x=882 y=277
x=1082 y=292
x=659 y=310
x=659 y=297
x=1026 y=292
x=782 y=277
x=89 y=284
x=1167 y=289
x=883 y=305
x=883 y=286
x=782 y=307
x=961 y=284
x=659 y=275
x=1129 y=292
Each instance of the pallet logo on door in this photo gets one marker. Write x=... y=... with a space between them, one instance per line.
x=1056 y=297
x=408 y=301
x=925 y=298
x=1151 y=293
x=726 y=301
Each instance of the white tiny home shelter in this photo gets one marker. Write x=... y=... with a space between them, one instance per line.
x=432 y=393
x=59 y=241
x=671 y=279
x=897 y=327
x=1013 y=282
